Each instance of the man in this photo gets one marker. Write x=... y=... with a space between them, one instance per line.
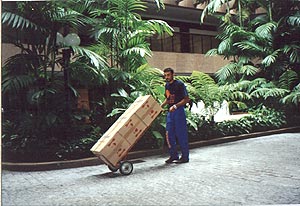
x=176 y=98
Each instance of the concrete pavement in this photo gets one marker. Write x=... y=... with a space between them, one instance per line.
x=259 y=171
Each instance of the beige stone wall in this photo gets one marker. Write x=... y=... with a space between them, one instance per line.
x=8 y=50
x=180 y=62
x=186 y=63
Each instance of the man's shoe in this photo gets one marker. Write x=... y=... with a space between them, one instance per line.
x=181 y=160
x=171 y=160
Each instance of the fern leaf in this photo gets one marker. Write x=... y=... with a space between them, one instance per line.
x=200 y=79
x=268 y=92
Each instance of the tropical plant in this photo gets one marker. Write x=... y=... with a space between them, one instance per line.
x=123 y=34
x=265 y=118
x=263 y=46
x=32 y=85
x=293 y=97
x=267 y=43
x=234 y=127
x=32 y=82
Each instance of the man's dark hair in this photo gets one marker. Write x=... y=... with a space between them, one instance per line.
x=169 y=70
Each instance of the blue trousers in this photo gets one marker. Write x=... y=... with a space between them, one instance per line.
x=176 y=129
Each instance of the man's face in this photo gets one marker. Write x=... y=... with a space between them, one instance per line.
x=169 y=77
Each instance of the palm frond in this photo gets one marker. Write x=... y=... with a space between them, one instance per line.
x=136 y=46
x=212 y=7
x=137 y=51
x=293 y=97
x=266 y=30
x=259 y=20
x=19 y=22
x=14 y=84
x=70 y=17
x=225 y=46
x=293 y=52
x=107 y=30
x=234 y=92
x=269 y=92
x=249 y=46
x=249 y=70
x=287 y=79
x=228 y=30
x=40 y=94
x=242 y=85
x=86 y=74
x=239 y=95
x=256 y=83
x=185 y=79
x=160 y=4
x=159 y=26
x=212 y=52
x=118 y=75
x=241 y=35
x=294 y=20
x=128 y=6
x=226 y=71
x=94 y=58
x=270 y=59
x=148 y=70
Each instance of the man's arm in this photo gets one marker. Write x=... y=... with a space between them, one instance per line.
x=183 y=102
x=164 y=103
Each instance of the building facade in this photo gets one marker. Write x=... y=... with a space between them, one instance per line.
x=185 y=50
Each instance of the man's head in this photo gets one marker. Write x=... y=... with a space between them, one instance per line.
x=169 y=74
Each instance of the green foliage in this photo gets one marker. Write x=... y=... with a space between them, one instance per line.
x=35 y=118
x=260 y=119
x=293 y=97
x=235 y=127
x=34 y=90
x=288 y=79
x=268 y=41
x=79 y=148
x=144 y=81
x=266 y=30
x=266 y=118
x=227 y=72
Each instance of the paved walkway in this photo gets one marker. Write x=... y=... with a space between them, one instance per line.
x=259 y=171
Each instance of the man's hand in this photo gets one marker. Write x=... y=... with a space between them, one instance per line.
x=173 y=108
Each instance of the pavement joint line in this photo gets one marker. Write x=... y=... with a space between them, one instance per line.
x=92 y=161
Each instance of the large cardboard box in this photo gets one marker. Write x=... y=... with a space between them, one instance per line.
x=146 y=108
x=116 y=142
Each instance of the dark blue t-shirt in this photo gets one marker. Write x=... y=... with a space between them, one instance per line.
x=175 y=92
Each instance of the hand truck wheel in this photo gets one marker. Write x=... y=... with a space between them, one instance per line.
x=126 y=168
x=112 y=168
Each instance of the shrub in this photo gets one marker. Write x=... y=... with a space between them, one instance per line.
x=266 y=118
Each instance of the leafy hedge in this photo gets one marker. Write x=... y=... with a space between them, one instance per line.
x=18 y=149
x=258 y=120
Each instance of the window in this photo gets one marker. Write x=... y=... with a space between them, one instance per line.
x=183 y=43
